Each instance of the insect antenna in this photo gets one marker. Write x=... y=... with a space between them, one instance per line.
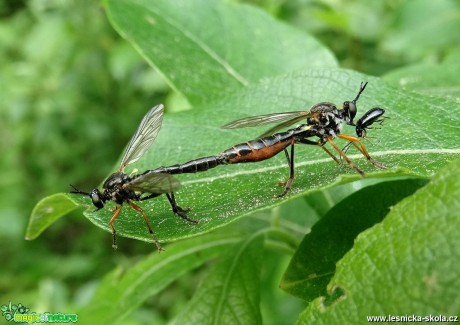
x=77 y=191
x=361 y=89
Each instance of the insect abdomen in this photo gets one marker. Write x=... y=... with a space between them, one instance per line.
x=193 y=166
x=257 y=150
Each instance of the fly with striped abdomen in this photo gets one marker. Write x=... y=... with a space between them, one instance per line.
x=122 y=188
x=324 y=120
x=326 y=123
x=251 y=151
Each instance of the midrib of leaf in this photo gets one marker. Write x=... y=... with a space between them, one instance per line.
x=435 y=117
x=212 y=54
x=321 y=161
x=231 y=273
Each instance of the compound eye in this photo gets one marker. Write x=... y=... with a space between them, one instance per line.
x=95 y=196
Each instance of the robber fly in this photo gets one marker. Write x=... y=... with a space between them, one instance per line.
x=324 y=120
x=120 y=187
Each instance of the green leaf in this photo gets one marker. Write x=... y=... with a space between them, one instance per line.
x=229 y=294
x=47 y=211
x=406 y=265
x=241 y=46
x=419 y=138
x=429 y=78
x=422 y=26
x=323 y=200
x=122 y=292
x=313 y=264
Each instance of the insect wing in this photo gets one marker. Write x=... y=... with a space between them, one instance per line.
x=153 y=183
x=144 y=136
x=278 y=127
x=266 y=119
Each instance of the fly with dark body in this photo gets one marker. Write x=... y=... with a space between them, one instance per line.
x=324 y=121
x=122 y=188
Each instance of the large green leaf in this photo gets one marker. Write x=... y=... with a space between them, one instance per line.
x=229 y=294
x=406 y=265
x=419 y=138
x=430 y=78
x=421 y=26
x=241 y=46
x=120 y=293
x=313 y=265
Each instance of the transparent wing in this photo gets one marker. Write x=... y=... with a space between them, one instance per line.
x=153 y=183
x=266 y=119
x=283 y=125
x=144 y=136
x=287 y=119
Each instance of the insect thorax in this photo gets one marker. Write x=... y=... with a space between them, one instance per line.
x=328 y=118
x=113 y=188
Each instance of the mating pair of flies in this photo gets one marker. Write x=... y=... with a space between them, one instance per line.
x=322 y=124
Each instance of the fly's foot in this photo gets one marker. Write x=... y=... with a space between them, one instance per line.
x=278 y=196
x=159 y=248
x=183 y=214
x=287 y=187
x=183 y=210
x=377 y=164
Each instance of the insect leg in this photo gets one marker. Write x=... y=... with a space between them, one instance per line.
x=313 y=143
x=342 y=154
x=114 y=232
x=147 y=222
x=287 y=156
x=177 y=209
x=287 y=186
x=361 y=148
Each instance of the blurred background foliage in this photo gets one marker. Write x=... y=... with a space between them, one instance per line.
x=72 y=92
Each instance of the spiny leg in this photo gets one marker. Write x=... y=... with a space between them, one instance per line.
x=288 y=184
x=147 y=222
x=178 y=210
x=342 y=154
x=313 y=143
x=172 y=201
x=364 y=151
x=330 y=154
x=361 y=148
x=114 y=232
x=345 y=149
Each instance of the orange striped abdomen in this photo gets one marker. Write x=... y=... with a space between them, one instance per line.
x=257 y=150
